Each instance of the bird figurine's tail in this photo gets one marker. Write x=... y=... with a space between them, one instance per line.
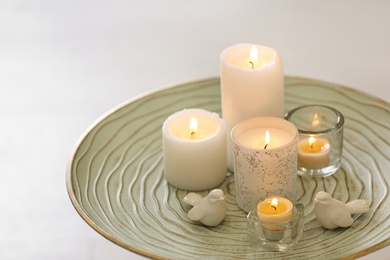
x=357 y=206
x=192 y=198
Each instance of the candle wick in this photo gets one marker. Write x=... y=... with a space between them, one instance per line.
x=311 y=146
x=253 y=66
x=272 y=206
x=192 y=134
x=265 y=147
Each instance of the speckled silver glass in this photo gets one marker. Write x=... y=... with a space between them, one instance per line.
x=324 y=125
x=259 y=172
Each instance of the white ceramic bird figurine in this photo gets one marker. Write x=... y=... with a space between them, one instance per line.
x=210 y=210
x=332 y=213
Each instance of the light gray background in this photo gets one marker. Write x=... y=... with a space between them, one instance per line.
x=65 y=63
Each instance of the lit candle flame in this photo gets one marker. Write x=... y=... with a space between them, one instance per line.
x=267 y=139
x=193 y=126
x=274 y=203
x=315 y=122
x=311 y=141
x=253 y=56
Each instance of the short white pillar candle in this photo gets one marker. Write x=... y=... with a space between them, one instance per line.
x=194 y=153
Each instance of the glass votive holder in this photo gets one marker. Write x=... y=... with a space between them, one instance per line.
x=320 y=139
x=276 y=236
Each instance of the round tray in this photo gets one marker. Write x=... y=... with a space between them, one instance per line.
x=115 y=179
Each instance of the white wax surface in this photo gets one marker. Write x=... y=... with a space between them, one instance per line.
x=255 y=138
x=194 y=163
x=208 y=125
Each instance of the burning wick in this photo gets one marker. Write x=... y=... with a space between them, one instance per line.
x=193 y=126
x=253 y=56
x=274 y=203
x=267 y=139
x=311 y=142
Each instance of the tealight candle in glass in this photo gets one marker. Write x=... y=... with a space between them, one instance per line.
x=320 y=139
x=275 y=224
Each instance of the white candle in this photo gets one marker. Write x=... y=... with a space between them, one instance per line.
x=252 y=84
x=264 y=167
x=313 y=152
x=194 y=149
x=257 y=138
x=274 y=209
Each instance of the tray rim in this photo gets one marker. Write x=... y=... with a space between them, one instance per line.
x=84 y=215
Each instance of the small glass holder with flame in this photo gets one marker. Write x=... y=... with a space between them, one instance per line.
x=275 y=227
x=320 y=139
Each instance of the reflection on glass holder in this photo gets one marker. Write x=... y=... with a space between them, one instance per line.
x=281 y=237
x=320 y=139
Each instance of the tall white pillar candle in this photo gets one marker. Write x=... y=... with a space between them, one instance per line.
x=264 y=167
x=252 y=84
x=194 y=152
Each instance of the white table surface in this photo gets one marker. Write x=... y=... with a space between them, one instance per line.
x=65 y=63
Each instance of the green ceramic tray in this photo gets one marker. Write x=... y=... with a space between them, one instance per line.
x=115 y=179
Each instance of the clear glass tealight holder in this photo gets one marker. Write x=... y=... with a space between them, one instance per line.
x=276 y=236
x=320 y=139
